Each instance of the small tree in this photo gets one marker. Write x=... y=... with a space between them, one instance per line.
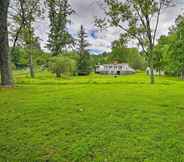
x=138 y=19
x=84 y=57
x=62 y=66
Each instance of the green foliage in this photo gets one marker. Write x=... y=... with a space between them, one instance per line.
x=42 y=59
x=119 y=54
x=62 y=66
x=83 y=67
x=177 y=54
x=82 y=42
x=84 y=64
x=72 y=55
x=135 y=59
x=127 y=55
x=19 y=58
x=122 y=55
x=138 y=20
x=161 y=54
x=99 y=59
x=59 y=37
x=169 y=54
x=24 y=17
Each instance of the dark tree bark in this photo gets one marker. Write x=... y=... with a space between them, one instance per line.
x=5 y=65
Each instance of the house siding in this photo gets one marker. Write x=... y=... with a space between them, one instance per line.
x=114 y=69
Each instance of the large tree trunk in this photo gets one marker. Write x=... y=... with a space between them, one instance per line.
x=5 y=65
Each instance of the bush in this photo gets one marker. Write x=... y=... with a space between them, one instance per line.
x=62 y=66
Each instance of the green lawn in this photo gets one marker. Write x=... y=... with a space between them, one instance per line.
x=92 y=119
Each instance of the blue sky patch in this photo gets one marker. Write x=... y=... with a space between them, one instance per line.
x=93 y=34
x=96 y=51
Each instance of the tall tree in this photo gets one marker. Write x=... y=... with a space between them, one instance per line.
x=59 y=37
x=30 y=41
x=83 y=44
x=119 y=50
x=177 y=55
x=139 y=20
x=5 y=65
x=161 y=53
x=24 y=18
x=83 y=64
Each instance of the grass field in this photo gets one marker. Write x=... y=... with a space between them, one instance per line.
x=92 y=119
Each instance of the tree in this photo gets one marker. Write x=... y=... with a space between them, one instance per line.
x=139 y=20
x=119 y=51
x=5 y=65
x=84 y=57
x=30 y=40
x=161 y=53
x=177 y=55
x=19 y=58
x=59 y=37
x=122 y=54
x=24 y=17
x=135 y=59
x=99 y=59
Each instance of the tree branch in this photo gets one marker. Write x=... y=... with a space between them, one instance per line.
x=157 y=22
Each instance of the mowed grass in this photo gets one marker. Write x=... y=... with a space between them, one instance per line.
x=92 y=119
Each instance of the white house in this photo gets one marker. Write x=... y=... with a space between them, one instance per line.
x=114 y=69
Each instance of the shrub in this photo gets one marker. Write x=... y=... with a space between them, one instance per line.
x=62 y=66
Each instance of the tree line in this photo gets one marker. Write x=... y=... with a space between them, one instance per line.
x=169 y=51
x=138 y=20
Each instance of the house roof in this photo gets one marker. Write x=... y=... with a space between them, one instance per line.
x=122 y=64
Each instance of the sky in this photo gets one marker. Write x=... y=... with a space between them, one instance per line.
x=87 y=10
